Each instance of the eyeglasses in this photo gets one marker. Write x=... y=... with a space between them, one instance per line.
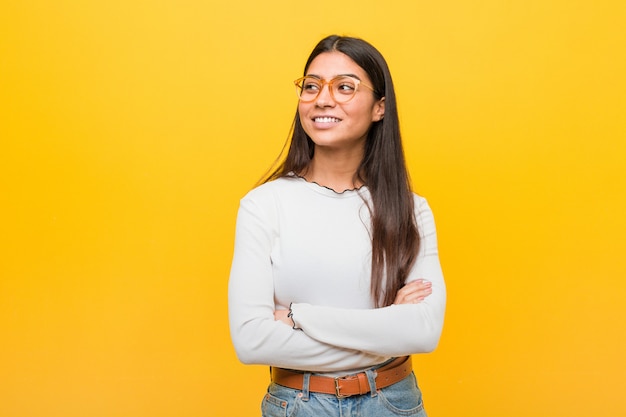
x=342 y=88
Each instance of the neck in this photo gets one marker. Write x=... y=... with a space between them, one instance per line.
x=335 y=170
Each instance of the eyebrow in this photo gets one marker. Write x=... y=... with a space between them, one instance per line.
x=338 y=75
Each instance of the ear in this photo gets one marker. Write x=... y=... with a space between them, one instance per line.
x=378 y=112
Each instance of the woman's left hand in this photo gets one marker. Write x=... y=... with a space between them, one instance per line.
x=414 y=292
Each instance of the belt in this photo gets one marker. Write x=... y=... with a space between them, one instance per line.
x=346 y=386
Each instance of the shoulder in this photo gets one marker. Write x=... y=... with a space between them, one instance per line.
x=272 y=189
x=260 y=206
x=420 y=203
x=269 y=196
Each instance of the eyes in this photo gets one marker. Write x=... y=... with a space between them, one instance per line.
x=342 y=88
x=340 y=85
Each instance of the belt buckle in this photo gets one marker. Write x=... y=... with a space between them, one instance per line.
x=338 y=389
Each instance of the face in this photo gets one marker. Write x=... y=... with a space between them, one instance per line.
x=339 y=125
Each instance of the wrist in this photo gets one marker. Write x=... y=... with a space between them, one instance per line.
x=290 y=316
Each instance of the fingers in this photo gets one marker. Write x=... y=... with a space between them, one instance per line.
x=414 y=292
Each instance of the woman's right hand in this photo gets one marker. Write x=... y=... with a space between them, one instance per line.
x=414 y=292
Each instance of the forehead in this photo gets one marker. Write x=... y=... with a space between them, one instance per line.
x=330 y=64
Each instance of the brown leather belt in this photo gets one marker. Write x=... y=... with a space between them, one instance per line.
x=346 y=386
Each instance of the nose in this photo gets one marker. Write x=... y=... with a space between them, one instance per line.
x=325 y=97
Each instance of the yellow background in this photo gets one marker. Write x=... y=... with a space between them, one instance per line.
x=130 y=129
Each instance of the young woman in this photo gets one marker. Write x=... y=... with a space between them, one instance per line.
x=335 y=279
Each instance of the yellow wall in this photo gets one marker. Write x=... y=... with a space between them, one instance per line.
x=130 y=129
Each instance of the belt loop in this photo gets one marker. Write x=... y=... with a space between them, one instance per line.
x=306 y=379
x=371 y=379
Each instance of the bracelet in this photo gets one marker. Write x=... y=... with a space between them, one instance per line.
x=290 y=315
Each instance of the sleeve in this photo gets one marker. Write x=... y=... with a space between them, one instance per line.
x=256 y=336
x=395 y=330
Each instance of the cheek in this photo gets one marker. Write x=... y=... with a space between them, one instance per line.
x=302 y=111
x=363 y=115
x=303 y=108
x=304 y=121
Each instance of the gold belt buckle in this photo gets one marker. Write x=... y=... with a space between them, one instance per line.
x=338 y=389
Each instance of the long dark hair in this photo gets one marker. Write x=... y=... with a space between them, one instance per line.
x=395 y=238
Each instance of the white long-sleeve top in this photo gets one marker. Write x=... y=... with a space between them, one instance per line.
x=304 y=245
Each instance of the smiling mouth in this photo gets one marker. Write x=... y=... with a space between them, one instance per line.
x=326 y=120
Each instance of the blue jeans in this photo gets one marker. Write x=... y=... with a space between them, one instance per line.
x=403 y=398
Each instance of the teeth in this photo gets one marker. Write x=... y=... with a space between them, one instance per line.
x=326 y=120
